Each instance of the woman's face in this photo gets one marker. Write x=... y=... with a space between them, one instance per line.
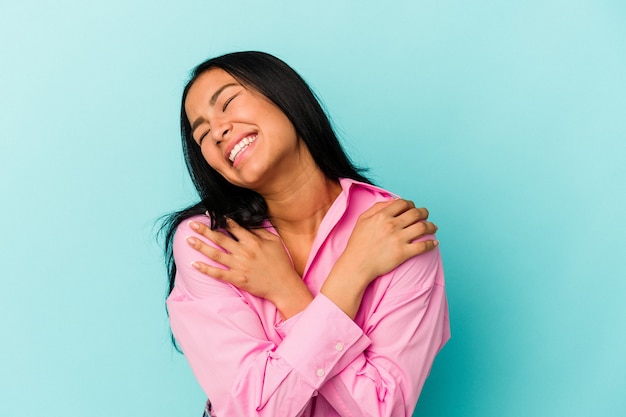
x=242 y=134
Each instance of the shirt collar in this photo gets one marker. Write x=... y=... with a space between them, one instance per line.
x=348 y=183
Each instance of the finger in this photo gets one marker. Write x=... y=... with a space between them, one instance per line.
x=238 y=232
x=401 y=206
x=398 y=207
x=217 y=237
x=212 y=271
x=376 y=207
x=263 y=234
x=420 y=213
x=423 y=211
x=422 y=246
x=430 y=228
x=417 y=230
x=415 y=215
x=407 y=218
x=217 y=255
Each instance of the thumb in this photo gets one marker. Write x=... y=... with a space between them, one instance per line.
x=263 y=233
x=376 y=207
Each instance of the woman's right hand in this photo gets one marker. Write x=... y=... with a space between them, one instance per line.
x=384 y=237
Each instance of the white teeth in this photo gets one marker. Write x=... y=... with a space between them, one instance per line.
x=243 y=144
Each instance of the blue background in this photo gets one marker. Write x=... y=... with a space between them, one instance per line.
x=506 y=119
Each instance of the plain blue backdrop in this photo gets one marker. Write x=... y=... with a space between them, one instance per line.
x=506 y=119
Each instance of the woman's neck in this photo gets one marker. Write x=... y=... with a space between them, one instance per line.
x=299 y=206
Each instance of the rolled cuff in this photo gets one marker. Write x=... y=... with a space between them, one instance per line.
x=322 y=342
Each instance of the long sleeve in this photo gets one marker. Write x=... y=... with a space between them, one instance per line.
x=226 y=343
x=407 y=328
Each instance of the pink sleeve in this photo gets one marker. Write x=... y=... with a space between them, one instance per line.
x=407 y=329
x=241 y=371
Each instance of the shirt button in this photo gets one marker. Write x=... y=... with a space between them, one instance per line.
x=320 y=372
x=339 y=347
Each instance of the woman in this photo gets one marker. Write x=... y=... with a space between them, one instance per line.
x=304 y=290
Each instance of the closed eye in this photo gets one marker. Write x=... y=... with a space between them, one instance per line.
x=204 y=135
x=227 y=102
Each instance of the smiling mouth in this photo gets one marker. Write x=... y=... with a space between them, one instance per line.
x=241 y=146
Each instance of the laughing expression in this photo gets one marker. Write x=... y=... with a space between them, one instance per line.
x=242 y=134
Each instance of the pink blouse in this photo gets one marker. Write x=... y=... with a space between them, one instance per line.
x=319 y=362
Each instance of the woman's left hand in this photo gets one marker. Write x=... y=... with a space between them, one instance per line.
x=256 y=262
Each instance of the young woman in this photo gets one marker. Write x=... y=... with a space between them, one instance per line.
x=297 y=288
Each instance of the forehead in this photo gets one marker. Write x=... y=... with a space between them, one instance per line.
x=205 y=85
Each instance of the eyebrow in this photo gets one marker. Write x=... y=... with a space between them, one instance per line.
x=212 y=102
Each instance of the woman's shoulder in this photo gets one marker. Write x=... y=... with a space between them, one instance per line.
x=183 y=226
x=183 y=231
x=189 y=280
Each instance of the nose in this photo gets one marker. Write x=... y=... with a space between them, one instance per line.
x=220 y=130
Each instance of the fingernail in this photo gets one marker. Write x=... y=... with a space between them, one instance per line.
x=196 y=265
x=195 y=226
x=191 y=240
x=436 y=243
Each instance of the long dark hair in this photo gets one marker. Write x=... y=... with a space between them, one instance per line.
x=278 y=82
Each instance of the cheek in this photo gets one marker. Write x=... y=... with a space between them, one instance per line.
x=213 y=157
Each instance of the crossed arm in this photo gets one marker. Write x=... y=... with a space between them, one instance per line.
x=359 y=371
